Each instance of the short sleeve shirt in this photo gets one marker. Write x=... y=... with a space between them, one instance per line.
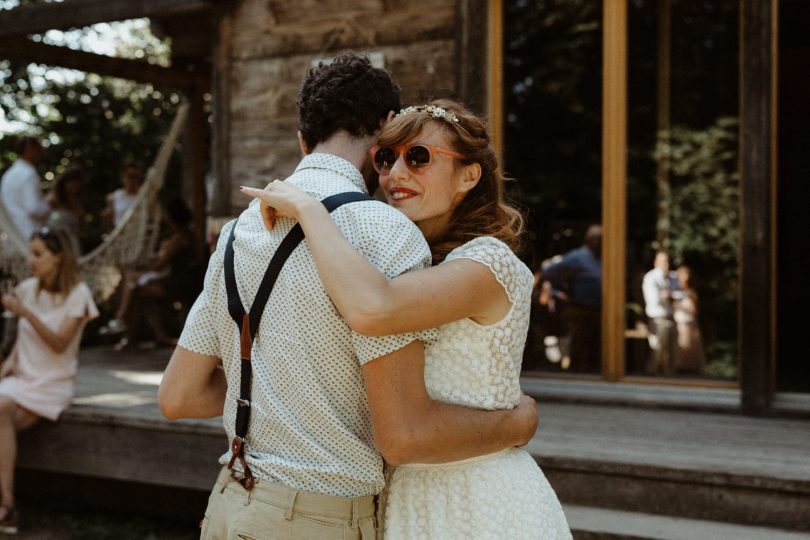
x=310 y=426
x=20 y=194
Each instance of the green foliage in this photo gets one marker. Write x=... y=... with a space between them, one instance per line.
x=704 y=223
x=95 y=123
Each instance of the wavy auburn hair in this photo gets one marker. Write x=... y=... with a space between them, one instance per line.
x=484 y=210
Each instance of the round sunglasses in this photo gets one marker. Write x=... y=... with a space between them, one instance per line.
x=417 y=156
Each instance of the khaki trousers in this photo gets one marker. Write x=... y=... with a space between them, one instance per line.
x=276 y=512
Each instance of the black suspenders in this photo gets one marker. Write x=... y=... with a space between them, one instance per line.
x=248 y=323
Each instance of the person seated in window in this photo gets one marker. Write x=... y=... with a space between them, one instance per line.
x=144 y=291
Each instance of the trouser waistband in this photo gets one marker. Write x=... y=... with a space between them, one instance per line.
x=299 y=501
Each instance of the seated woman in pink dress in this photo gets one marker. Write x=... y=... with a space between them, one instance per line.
x=36 y=380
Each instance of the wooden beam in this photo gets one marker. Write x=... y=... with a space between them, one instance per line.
x=136 y=70
x=41 y=17
x=614 y=186
x=757 y=69
x=471 y=53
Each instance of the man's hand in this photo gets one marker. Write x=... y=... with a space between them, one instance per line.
x=526 y=418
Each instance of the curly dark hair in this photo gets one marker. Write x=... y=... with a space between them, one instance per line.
x=348 y=94
x=485 y=210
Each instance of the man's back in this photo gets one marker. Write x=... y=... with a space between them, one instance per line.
x=310 y=427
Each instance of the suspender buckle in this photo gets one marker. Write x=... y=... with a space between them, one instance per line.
x=238 y=452
x=242 y=402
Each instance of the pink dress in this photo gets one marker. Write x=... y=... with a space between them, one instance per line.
x=42 y=381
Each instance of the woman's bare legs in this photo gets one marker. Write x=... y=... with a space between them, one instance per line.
x=130 y=279
x=13 y=418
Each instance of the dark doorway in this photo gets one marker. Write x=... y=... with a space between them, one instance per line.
x=793 y=194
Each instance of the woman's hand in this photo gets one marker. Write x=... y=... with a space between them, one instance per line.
x=13 y=304
x=280 y=199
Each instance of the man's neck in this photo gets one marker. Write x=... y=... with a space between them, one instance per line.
x=343 y=145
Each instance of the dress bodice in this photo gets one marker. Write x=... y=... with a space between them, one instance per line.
x=479 y=365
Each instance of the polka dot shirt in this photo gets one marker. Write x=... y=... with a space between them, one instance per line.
x=310 y=426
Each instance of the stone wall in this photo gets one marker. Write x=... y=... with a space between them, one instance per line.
x=272 y=44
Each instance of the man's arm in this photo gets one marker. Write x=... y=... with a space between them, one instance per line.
x=410 y=427
x=193 y=386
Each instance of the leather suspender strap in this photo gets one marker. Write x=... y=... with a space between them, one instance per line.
x=248 y=323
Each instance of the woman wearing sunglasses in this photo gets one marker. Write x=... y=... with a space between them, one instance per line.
x=436 y=165
x=36 y=380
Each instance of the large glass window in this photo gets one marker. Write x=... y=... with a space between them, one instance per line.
x=682 y=188
x=552 y=70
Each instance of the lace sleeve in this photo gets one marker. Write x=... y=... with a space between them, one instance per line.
x=507 y=268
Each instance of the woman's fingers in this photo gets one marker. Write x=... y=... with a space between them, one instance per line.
x=268 y=215
x=268 y=211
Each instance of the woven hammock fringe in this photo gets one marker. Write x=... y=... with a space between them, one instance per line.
x=129 y=245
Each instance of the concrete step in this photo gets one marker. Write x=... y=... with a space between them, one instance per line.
x=589 y=523
x=671 y=464
x=706 y=466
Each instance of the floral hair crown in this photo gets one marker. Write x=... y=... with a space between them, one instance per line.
x=432 y=110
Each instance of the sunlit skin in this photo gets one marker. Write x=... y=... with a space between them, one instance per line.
x=44 y=263
x=429 y=196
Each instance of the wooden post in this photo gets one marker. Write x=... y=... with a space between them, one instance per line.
x=194 y=161
x=221 y=136
x=471 y=54
x=757 y=158
x=662 y=226
x=614 y=185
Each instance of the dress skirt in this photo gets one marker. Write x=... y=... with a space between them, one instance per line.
x=498 y=496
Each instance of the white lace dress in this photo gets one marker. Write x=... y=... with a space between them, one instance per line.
x=499 y=496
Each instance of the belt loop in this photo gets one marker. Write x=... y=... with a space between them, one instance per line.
x=355 y=513
x=247 y=497
x=288 y=512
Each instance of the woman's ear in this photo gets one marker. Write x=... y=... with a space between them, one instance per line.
x=470 y=176
x=302 y=144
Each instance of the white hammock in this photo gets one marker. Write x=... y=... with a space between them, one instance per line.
x=131 y=243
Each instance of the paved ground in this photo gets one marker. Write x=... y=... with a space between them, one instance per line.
x=40 y=522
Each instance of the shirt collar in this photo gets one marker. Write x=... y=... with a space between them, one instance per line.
x=335 y=164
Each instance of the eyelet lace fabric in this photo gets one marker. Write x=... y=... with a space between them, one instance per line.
x=503 y=495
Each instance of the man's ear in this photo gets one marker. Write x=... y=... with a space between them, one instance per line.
x=391 y=116
x=471 y=176
x=302 y=144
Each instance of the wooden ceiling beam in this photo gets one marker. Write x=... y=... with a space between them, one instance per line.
x=182 y=77
x=41 y=17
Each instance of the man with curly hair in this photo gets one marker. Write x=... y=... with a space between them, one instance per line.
x=321 y=396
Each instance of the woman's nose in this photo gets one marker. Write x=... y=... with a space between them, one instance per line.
x=399 y=169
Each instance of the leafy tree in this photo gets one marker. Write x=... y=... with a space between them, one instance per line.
x=96 y=123
x=704 y=227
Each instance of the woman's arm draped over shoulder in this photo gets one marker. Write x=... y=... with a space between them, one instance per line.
x=373 y=304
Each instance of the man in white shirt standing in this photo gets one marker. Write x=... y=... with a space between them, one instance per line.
x=657 y=287
x=321 y=395
x=19 y=188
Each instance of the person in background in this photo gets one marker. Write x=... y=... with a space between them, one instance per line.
x=120 y=200
x=66 y=204
x=657 y=287
x=144 y=290
x=20 y=191
x=689 y=356
x=577 y=278
x=36 y=380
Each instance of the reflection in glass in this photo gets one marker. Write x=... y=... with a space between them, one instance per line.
x=552 y=135
x=683 y=188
